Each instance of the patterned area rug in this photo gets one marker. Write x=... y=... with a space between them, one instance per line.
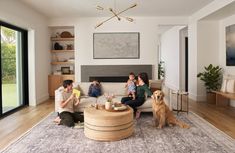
x=46 y=137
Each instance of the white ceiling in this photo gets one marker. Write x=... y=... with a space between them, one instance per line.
x=86 y=8
x=222 y=13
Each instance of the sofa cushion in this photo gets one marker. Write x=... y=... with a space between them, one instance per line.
x=102 y=99
x=83 y=87
x=85 y=102
x=114 y=88
x=147 y=104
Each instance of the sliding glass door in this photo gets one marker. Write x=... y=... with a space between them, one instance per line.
x=13 y=65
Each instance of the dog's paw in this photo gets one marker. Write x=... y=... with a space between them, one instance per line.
x=159 y=127
x=170 y=125
x=186 y=126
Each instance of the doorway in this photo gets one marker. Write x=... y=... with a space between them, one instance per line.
x=14 y=68
x=186 y=64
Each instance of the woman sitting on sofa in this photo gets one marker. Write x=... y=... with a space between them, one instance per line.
x=142 y=87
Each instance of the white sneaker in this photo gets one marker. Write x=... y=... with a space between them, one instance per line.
x=79 y=125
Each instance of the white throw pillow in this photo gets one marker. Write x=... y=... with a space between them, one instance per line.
x=224 y=85
x=230 y=86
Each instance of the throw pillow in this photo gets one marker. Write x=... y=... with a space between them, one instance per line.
x=224 y=85
x=230 y=86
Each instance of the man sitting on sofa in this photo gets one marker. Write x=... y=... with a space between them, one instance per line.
x=69 y=100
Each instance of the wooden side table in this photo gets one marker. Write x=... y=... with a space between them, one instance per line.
x=180 y=95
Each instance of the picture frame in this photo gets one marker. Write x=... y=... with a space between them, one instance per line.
x=230 y=45
x=65 y=70
x=116 y=45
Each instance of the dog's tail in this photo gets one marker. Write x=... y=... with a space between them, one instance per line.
x=182 y=124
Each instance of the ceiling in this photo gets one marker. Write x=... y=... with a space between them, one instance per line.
x=222 y=13
x=86 y=8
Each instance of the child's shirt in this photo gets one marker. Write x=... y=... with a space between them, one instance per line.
x=131 y=86
x=94 y=90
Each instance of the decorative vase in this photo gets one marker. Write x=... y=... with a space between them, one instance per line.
x=108 y=105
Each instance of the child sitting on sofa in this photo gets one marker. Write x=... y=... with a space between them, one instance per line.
x=69 y=100
x=131 y=86
x=94 y=89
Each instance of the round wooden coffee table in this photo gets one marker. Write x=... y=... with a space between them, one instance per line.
x=103 y=125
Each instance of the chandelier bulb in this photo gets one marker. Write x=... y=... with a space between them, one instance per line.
x=99 y=8
x=129 y=19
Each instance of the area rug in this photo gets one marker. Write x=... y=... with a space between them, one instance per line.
x=47 y=137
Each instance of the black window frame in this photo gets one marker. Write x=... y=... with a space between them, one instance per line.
x=25 y=92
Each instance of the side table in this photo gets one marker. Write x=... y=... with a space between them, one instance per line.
x=103 y=125
x=180 y=95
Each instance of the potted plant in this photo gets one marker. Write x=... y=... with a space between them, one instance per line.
x=212 y=80
x=161 y=72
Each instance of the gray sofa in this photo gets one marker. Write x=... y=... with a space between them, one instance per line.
x=118 y=89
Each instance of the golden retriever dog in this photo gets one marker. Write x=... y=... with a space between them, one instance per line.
x=162 y=114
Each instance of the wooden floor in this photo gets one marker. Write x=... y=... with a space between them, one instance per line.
x=221 y=117
x=13 y=126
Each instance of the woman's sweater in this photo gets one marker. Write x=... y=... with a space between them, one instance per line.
x=141 y=90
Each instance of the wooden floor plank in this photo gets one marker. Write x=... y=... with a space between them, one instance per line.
x=14 y=125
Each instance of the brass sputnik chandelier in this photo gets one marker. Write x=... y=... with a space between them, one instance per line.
x=115 y=13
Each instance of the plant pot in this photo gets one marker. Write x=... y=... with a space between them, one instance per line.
x=210 y=98
x=108 y=105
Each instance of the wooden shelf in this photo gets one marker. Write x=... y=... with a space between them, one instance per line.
x=61 y=63
x=62 y=39
x=62 y=51
x=64 y=75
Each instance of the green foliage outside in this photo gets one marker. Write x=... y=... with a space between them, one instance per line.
x=8 y=59
x=211 y=77
x=161 y=72
x=8 y=49
x=9 y=95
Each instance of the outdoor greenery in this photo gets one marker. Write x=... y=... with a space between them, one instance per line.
x=9 y=95
x=161 y=72
x=211 y=77
x=8 y=50
x=8 y=59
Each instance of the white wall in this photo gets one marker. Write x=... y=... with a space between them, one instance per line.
x=208 y=50
x=194 y=85
x=222 y=47
x=170 y=53
x=203 y=50
x=147 y=27
x=16 y=13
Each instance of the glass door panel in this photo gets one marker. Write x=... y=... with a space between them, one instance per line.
x=11 y=69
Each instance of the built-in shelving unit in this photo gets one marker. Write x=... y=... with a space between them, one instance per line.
x=62 y=57
x=62 y=51
x=61 y=63
x=61 y=39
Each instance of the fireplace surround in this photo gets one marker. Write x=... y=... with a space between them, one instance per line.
x=112 y=73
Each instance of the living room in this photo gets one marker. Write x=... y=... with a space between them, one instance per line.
x=162 y=27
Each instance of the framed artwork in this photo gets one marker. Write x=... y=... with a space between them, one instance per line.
x=123 y=45
x=65 y=70
x=230 y=45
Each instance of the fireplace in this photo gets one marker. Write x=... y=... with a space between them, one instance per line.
x=112 y=73
x=109 y=78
